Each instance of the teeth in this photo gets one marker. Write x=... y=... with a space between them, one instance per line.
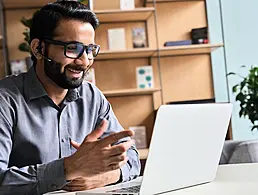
x=75 y=71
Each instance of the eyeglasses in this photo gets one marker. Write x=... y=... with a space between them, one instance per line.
x=74 y=49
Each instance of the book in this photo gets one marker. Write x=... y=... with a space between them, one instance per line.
x=139 y=37
x=177 y=43
x=116 y=39
x=127 y=4
x=18 y=66
x=144 y=77
x=90 y=76
x=139 y=136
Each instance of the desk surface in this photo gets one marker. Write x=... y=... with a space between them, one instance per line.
x=237 y=179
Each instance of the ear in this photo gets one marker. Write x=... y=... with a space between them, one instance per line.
x=36 y=48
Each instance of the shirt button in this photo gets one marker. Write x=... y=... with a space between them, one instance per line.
x=63 y=140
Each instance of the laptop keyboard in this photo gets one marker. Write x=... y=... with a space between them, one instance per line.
x=131 y=189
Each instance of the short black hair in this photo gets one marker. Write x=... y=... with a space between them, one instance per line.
x=45 y=21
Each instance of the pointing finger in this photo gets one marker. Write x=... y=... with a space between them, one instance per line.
x=75 y=144
x=98 y=132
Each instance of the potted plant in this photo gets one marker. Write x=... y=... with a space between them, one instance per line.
x=247 y=95
x=25 y=46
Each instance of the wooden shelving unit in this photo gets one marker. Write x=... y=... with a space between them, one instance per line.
x=165 y=51
x=129 y=53
x=112 y=16
x=24 y=3
x=143 y=153
x=167 y=1
x=1 y=38
x=130 y=92
x=180 y=72
x=188 y=50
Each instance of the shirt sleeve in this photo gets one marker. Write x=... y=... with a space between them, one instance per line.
x=31 y=180
x=132 y=168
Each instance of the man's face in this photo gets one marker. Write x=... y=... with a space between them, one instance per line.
x=69 y=73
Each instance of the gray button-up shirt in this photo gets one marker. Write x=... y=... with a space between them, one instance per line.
x=35 y=133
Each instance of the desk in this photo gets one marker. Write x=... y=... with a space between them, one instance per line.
x=237 y=179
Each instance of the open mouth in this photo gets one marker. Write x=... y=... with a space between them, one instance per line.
x=74 y=73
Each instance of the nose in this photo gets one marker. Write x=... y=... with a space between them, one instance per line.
x=84 y=60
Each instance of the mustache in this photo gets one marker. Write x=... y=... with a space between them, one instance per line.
x=76 y=67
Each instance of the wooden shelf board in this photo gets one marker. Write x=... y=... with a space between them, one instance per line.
x=165 y=51
x=188 y=50
x=137 y=14
x=167 y=1
x=130 y=53
x=143 y=153
x=24 y=3
x=1 y=44
x=129 y=92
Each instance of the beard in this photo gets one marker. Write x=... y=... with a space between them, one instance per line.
x=53 y=71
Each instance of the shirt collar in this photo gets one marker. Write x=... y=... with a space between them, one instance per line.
x=34 y=89
x=72 y=95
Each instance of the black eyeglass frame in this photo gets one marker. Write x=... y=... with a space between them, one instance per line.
x=65 y=44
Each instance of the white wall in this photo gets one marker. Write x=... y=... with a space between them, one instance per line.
x=236 y=22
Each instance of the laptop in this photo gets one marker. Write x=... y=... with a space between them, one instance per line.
x=185 y=149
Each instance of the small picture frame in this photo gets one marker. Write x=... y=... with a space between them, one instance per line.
x=18 y=67
x=139 y=136
x=139 y=37
x=127 y=4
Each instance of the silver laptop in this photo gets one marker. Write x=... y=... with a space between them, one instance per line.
x=184 y=151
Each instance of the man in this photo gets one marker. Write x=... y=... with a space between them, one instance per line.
x=56 y=133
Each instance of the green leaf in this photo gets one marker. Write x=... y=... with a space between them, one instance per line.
x=241 y=113
x=254 y=127
x=26 y=22
x=234 y=89
x=240 y=97
x=36 y=12
x=231 y=73
x=24 y=47
x=243 y=84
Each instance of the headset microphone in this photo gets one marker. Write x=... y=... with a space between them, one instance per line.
x=38 y=50
x=45 y=57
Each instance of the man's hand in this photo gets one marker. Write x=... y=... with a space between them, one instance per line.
x=95 y=157
x=87 y=183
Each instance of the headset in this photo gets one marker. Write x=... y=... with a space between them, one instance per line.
x=38 y=50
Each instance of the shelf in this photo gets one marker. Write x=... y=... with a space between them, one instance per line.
x=168 y=1
x=130 y=53
x=1 y=39
x=188 y=50
x=165 y=51
x=143 y=153
x=9 y=4
x=137 y=14
x=130 y=92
